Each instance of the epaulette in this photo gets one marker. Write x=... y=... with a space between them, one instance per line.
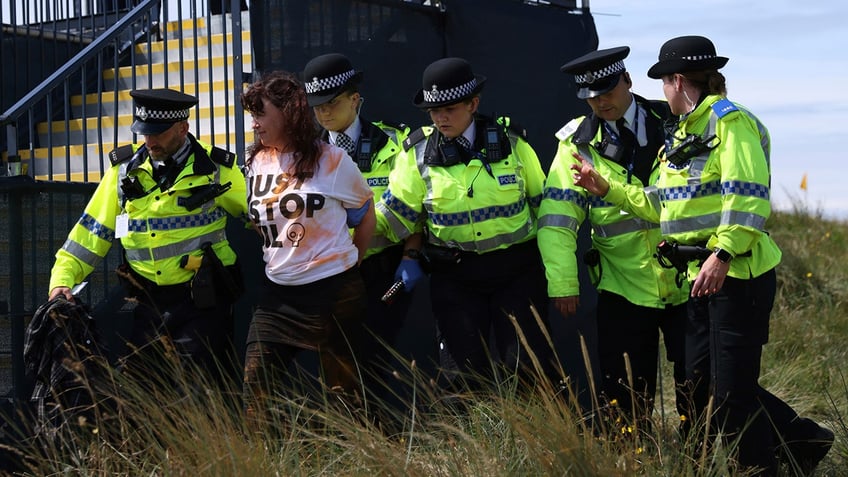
x=222 y=157
x=394 y=125
x=512 y=127
x=121 y=154
x=568 y=130
x=723 y=107
x=414 y=138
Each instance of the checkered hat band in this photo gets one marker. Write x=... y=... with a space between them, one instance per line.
x=156 y=115
x=697 y=57
x=459 y=92
x=320 y=84
x=592 y=76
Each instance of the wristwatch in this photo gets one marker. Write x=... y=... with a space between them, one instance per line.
x=723 y=255
x=412 y=253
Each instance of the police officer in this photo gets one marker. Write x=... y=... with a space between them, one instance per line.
x=637 y=297
x=167 y=201
x=332 y=87
x=713 y=191
x=474 y=184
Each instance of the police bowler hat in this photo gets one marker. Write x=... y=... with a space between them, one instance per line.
x=447 y=81
x=326 y=76
x=156 y=110
x=597 y=72
x=686 y=53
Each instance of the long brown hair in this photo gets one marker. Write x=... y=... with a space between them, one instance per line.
x=286 y=92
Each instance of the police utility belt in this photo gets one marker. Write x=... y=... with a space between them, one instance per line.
x=213 y=283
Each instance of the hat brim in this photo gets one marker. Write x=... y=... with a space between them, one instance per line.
x=668 y=67
x=608 y=85
x=330 y=94
x=419 y=102
x=148 y=128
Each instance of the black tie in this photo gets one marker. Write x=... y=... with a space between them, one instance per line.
x=462 y=141
x=345 y=142
x=626 y=138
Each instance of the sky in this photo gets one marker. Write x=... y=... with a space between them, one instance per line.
x=788 y=65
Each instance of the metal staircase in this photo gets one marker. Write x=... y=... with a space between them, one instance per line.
x=194 y=53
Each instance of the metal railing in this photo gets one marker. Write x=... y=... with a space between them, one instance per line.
x=55 y=134
x=63 y=127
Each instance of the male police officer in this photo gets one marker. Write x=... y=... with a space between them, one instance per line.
x=637 y=297
x=332 y=87
x=167 y=202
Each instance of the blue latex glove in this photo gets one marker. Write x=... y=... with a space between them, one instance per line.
x=410 y=272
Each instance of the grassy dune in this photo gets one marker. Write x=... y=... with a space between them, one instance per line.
x=205 y=432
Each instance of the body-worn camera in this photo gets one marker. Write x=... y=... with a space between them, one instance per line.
x=692 y=146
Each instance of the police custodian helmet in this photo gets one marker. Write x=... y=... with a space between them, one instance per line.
x=156 y=110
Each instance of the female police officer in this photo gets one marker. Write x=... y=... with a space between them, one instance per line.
x=474 y=184
x=714 y=191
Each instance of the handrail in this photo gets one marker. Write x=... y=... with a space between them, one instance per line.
x=46 y=87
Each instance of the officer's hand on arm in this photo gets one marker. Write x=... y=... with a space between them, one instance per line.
x=587 y=177
x=566 y=305
x=711 y=277
x=61 y=291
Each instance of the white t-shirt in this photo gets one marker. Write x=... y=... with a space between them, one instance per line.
x=304 y=225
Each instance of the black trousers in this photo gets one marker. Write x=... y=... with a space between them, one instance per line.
x=472 y=302
x=725 y=338
x=624 y=327
x=200 y=337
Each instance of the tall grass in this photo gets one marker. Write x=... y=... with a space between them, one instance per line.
x=193 y=428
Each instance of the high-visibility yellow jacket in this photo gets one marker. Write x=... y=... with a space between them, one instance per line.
x=385 y=143
x=719 y=198
x=626 y=244
x=479 y=207
x=158 y=230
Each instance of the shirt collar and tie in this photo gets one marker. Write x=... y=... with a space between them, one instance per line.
x=348 y=138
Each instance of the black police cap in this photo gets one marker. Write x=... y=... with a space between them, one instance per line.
x=597 y=72
x=447 y=81
x=686 y=53
x=156 y=110
x=327 y=76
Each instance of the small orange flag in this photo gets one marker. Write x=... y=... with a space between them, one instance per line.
x=804 y=182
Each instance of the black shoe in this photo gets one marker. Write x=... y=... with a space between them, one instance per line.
x=808 y=453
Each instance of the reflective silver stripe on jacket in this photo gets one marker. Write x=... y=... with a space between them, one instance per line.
x=653 y=195
x=380 y=241
x=633 y=224
x=696 y=166
x=747 y=219
x=690 y=224
x=175 y=249
x=488 y=244
x=558 y=220
x=81 y=253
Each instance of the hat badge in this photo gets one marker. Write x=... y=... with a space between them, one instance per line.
x=141 y=112
x=316 y=85
x=590 y=77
